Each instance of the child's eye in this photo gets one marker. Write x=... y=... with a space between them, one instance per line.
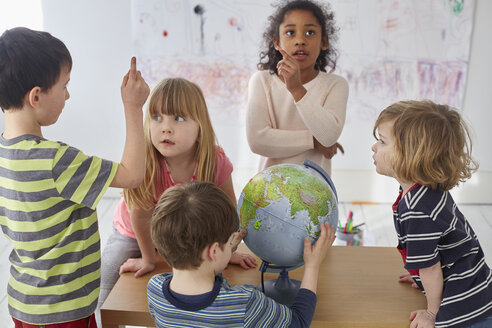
x=157 y=118
x=381 y=141
x=179 y=118
x=290 y=33
x=309 y=33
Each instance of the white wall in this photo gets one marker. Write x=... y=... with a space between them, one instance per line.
x=367 y=185
x=98 y=34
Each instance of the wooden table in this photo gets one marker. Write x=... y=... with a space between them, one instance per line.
x=358 y=288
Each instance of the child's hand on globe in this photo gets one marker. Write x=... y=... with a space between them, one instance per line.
x=316 y=253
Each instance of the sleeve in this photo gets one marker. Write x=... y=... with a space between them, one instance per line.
x=325 y=121
x=263 y=137
x=80 y=178
x=223 y=165
x=422 y=240
x=262 y=311
x=154 y=287
x=303 y=308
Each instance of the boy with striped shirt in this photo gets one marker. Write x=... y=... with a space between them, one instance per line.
x=48 y=190
x=194 y=227
x=427 y=149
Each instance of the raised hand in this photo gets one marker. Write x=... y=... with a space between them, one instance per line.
x=134 y=89
x=289 y=71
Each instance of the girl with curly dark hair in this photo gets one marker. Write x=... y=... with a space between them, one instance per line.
x=296 y=109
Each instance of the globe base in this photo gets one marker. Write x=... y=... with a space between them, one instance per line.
x=283 y=289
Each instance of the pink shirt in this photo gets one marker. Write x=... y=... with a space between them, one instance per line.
x=121 y=218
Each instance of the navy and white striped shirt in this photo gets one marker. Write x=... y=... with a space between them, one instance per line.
x=430 y=229
x=225 y=306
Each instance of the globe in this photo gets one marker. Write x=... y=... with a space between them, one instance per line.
x=282 y=205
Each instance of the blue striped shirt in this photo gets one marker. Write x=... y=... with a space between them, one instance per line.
x=431 y=229
x=225 y=306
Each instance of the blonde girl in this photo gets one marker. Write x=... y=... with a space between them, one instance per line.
x=427 y=149
x=180 y=147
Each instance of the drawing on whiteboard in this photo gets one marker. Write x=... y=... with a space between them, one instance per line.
x=390 y=50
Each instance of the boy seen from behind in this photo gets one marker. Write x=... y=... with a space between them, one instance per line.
x=49 y=190
x=195 y=229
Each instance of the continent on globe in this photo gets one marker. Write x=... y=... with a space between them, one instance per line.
x=282 y=205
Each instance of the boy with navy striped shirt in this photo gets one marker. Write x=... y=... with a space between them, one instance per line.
x=427 y=149
x=48 y=190
x=194 y=227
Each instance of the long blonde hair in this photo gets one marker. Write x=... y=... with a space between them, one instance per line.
x=176 y=97
x=432 y=144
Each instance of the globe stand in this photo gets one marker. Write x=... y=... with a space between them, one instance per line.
x=283 y=289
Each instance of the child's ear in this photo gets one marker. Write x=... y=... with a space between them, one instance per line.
x=324 y=43
x=32 y=97
x=276 y=44
x=212 y=251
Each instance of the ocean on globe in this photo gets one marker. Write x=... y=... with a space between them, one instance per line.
x=282 y=205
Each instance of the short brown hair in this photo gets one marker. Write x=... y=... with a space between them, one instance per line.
x=188 y=218
x=28 y=59
x=432 y=144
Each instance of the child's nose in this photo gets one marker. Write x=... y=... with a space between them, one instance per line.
x=300 y=39
x=373 y=147
x=166 y=125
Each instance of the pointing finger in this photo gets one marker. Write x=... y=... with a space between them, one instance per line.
x=133 y=68
x=283 y=52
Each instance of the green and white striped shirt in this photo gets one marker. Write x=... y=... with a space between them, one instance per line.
x=48 y=197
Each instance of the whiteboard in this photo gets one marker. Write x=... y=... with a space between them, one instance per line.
x=389 y=50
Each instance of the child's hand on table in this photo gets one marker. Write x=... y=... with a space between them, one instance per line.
x=246 y=261
x=407 y=278
x=137 y=265
x=422 y=319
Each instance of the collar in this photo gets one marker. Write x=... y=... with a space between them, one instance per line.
x=401 y=196
x=192 y=302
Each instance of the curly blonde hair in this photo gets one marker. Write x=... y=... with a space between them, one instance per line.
x=432 y=144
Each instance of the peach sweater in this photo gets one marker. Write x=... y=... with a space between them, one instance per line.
x=281 y=130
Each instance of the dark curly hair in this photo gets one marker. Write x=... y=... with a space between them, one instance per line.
x=269 y=57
